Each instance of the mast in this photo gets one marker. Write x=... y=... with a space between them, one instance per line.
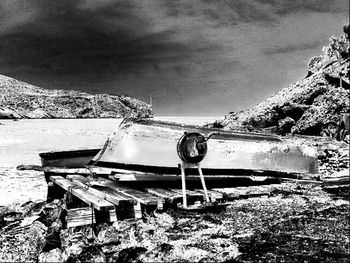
x=150 y=100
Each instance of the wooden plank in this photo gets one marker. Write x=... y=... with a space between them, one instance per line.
x=139 y=196
x=82 y=194
x=61 y=170
x=189 y=193
x=237 y=192
x=336 y=180
x=228 y=192
x=214 y=195
x=300 y=181
x=104 y=193
x=169 y=196
x=109 y=196
x=80 y=217
x=84 y=216
x=257 y=191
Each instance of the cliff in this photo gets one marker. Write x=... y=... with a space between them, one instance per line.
x=22 y=100
x=309 y=105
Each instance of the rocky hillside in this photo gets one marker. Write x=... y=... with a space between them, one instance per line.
x=309 y=105
x=21 y=100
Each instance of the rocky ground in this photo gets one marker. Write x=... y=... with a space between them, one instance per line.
x=297 y=222
x=22 y=100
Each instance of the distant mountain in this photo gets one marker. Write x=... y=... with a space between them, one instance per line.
x=307 y=106
x=22 y=100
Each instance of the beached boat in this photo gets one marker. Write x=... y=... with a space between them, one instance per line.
x=151 y=146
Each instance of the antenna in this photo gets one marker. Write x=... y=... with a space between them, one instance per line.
x=150 y=100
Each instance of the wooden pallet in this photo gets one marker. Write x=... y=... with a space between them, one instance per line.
x=119 y=194
x=97 y=208
x=121 y=201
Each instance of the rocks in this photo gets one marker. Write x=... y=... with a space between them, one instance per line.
x=35 y=238
x=333 y=159
x=21 y=100
x=72 y=244
x=107 y=235
x=249 y=230
x=130 y=254
x=6 y=113
x=285 y=125
x=54 y=255
x=325 y=110
x=91 y=254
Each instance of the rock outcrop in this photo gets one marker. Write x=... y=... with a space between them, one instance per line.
x=22 y=100
x=310 y=104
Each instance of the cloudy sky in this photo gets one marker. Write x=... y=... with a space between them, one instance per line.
x=196 y=57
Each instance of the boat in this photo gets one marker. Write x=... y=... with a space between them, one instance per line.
x=152 y=150
x=152 y=146
x=68 y=159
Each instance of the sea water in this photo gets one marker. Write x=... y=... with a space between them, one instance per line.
x=21 y=142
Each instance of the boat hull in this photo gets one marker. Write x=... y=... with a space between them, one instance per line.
x=150 y=146
x=68 y=159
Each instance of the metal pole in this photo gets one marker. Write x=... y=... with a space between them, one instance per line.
x=203 y=183
x=183 y=180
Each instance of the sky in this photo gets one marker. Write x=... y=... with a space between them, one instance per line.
x=196 y=57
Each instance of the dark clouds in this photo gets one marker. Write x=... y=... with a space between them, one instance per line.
x=196 y=57
x=72 y=38
x=291 y=48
